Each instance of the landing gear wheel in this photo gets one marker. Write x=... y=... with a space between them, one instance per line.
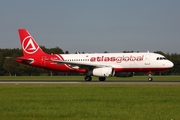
x=150 y=76
x=87 y=78
x=102 y=78
x=150 y=79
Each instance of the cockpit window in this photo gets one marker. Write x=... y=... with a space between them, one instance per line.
x=161 y=58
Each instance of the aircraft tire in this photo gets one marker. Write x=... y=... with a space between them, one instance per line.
x=102 y=78
x=87 y=78
x=150 y=79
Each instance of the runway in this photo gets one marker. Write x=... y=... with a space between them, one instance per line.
x=84 y=82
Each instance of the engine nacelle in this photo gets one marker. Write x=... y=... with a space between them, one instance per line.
x=124 y=74
x=103 y=72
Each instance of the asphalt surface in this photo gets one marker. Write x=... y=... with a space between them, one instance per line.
x=84 y=82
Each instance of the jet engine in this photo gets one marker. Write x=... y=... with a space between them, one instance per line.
x=103 y=72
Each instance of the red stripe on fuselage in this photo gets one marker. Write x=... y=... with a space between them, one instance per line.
x=139 y=69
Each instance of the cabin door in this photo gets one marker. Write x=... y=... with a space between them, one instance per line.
x=147 y=59
x=43 y=61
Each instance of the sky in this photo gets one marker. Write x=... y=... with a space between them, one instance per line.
x=93 y=25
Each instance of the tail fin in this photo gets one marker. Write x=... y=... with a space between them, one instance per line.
x=28 y=44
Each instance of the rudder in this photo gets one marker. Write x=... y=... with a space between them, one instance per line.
x=28 y=44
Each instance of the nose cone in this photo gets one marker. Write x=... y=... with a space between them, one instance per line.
x=170 y=64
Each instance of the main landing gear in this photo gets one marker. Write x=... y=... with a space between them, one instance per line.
x=89 y=78
x=150 y=76
x=102 y=78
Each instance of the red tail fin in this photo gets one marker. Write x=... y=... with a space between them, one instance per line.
x=28 y=44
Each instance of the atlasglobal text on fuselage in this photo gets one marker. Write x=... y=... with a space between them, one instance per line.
x=101 y=65
x=118 y=59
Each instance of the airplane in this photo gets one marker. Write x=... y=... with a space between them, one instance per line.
x=101 y=65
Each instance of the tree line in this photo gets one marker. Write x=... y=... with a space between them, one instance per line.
x=9 y=67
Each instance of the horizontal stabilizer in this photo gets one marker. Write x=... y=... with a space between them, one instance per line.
x=25 y=60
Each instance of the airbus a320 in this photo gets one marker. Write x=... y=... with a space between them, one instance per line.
x=101 y=65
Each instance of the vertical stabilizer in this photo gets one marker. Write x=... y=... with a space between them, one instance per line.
x=28 y=44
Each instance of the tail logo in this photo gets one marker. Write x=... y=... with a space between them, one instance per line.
x=29 y=45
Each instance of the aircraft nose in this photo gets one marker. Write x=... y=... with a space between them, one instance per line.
x=170 y=64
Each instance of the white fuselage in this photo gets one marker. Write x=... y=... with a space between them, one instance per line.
x=120 y=61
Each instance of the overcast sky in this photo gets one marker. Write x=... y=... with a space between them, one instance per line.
x=93 y=25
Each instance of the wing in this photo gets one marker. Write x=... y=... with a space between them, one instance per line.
x=80 y=64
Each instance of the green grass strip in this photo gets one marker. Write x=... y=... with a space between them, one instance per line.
x=89 y=102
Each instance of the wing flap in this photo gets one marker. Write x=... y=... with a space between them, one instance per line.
x=80 y=64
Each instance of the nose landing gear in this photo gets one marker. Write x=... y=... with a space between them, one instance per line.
x=150 y=76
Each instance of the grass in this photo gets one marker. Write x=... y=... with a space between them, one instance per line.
x=89 y=102
x=81 y=78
